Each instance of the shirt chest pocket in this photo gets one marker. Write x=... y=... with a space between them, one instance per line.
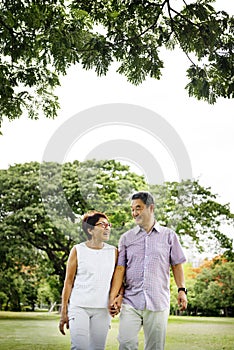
x=160 y=251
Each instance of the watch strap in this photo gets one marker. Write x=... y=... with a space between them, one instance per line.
x=182 y=290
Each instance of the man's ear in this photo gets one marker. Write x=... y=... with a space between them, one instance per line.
x=152 y=208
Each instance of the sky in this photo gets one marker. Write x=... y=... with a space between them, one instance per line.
x=205 y=131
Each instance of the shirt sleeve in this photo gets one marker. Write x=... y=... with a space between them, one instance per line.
x=177 y=254
x=122 y=252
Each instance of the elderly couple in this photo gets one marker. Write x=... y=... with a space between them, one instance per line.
x=101 y=280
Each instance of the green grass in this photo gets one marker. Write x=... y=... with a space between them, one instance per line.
x=39 y=331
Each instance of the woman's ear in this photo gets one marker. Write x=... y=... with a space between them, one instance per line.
x=90 y=231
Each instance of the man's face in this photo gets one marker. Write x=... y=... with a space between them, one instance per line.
x=141 y=213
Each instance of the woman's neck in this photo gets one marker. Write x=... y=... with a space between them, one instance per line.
x=94 y=244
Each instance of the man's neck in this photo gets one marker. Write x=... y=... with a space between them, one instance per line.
x=149 y=227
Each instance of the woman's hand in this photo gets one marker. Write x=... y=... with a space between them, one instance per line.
x=115 y=305
x=62 y=322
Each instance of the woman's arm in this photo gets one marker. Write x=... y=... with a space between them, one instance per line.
x=116 y=291
x=67 y=288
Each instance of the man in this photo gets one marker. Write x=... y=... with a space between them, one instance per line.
x=146 y=253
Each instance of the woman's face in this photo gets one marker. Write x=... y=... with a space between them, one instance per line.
x=101 y=230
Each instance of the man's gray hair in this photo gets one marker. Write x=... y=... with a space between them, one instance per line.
x=145 y=196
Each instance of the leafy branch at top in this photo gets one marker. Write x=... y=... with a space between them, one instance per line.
x=41 y=40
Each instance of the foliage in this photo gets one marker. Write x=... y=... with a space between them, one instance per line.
x=214 y=287
x=190 y=281
x=196 y=216
x=41 y=206
x=210 y=288
x=41 y=39
x=45 y=294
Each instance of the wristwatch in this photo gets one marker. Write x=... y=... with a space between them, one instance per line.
x=183 y=290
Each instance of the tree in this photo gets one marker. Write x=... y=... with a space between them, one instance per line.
x=3 y=299
x=41 y=39
x=214 y=287
x=42 y=204
x=190 y=281
x=195 y=214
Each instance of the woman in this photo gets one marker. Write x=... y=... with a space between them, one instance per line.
x=85 y=293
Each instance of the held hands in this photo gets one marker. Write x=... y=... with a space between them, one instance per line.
x=182 y=301
x=62 y=322
x=115 y=305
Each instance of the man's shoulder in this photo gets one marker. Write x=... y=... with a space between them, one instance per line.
x=129 y=233
x=164 y=229
x=166 y=233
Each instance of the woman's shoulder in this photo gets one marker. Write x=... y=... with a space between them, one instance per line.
x=79 y=246
x=109 y=246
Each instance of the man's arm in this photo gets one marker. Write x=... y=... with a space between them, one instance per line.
x=116 y=291
x=178 y=274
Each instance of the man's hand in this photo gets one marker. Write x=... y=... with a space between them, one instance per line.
x=62 y=322
x=115 y=305
x=182 y=301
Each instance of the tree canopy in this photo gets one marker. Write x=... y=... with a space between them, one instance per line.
x=195 y=214
x=41 y=39
x=210 y=288
x=41 y=206
x=214 y=287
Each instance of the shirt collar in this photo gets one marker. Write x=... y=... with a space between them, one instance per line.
x=156 y=226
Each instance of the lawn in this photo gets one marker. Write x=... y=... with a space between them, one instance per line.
x=39 y=331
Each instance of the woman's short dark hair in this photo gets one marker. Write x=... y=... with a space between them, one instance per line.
x=90 y=219
x=145 y=196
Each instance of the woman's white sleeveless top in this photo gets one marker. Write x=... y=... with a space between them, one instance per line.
x=94 y=273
